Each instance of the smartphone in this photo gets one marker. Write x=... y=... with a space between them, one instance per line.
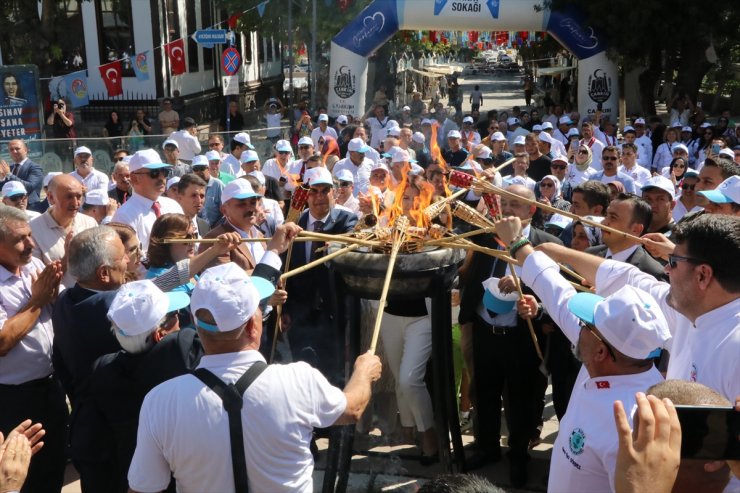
x=715 y=149
x=698 y=104
x=574 y=144
x=709 y=433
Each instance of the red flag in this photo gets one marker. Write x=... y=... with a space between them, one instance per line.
x=176 y=53
x=602 y=384
x=233 y=20
x=111 y=74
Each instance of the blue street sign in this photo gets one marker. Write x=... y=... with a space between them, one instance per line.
x=210 y=37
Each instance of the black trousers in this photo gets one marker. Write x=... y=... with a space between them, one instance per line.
x=506 y=367
x=41 y=401
x=564 y=368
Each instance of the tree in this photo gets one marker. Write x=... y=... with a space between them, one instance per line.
x=671 y=39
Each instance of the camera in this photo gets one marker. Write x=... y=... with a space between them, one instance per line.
x=60 y=105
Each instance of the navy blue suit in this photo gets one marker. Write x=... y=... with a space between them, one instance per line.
x=32 y=176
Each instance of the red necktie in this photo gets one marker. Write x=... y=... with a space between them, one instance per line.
x=157 y=210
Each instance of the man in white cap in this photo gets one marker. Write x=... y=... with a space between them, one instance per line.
x=470 y=137
x=691 y=143
x=418 y=146
x=454 y=155
x=187 y=140
x=564 y=124
x=339 y=123
x=358 y=164
x=660 y=193
x=52 y=229
x=211 y=211
x=190 y=443
x=615 y=336
x=644 y=144
x=171 y=188
x=15 y=195
x=345 y=195
x=298 y=167
x=149 y=181
x=323 y=130
x=557 y=145
x=725 y=199
x=171 y=151
x=99 y=206
x=278 y=168
x=214 y=166
x=515 y=130
x=85 y=172
x=239 y=143
x=378 y=125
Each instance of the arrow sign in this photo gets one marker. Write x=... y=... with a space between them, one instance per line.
x=210 y=37
x=230 y=61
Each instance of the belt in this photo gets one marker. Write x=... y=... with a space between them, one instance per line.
x=39 y=382
x=495 y=330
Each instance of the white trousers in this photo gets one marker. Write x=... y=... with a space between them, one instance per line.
x=408 y=345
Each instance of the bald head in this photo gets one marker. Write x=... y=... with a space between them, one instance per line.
x=66 y=193
x=519 y=208
x=63 y=181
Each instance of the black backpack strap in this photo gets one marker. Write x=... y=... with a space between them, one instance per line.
x=232 y=397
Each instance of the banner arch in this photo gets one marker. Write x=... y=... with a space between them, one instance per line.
x=379 y=21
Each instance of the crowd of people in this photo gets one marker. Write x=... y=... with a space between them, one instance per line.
x=138 y=310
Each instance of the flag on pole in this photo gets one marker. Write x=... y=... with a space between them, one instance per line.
x=76 y=85
x=261 y=8
x=111 y=74
x=176 y=53
x=141 y=66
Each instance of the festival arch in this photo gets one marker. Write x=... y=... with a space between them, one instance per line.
x=376 y=24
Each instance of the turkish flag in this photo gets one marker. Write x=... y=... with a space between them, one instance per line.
x=602 y=384
x=233 y=20
x=111 y=74
x=176 y=53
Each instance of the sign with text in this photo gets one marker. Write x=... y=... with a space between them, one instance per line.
x=20 y=108
x=230 y=84
x=210 y=37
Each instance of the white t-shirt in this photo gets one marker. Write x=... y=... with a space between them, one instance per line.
x=360 y=173
x=638 y=174
x=378 y=130
x=273 y=121
x=95 y=180
x=316 y=134
x=679 y=211
x=230 y=165
x=575 y=177
x=184 y=428
x=188 y=144
x=644 y=151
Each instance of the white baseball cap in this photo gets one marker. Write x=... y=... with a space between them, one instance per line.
x=639 y=121
x=662 y=183
x=705 y=125
x=400 y=156
x=345 y=175
x=283 y=145
x=519 y=141
x=676 y=124
x=305 y=141
x=573 y=132
x=96 y=197
x=173 y=181
x=49 y=176
x=537 y=128
x=512 y=121
x=243 y=138
x=83 y=150
x=406 y=108
x=728 y=153
x=680 y=147
x=427 y=121
x=230 y=295
x=454 y=134
x=416 y=169
x=418 y=137
x=565 y=120
x=482 y=152
x=629 y=319
x=238 y=189
x=498 y=136
x=259 y=175
x=394 y=132
x=323 y=117
x=468 y=119
x=628 y=128
x=249 y=156
x=358 y=145
x=213 y=156
x=559 y=221
x=686 y=129
x=560 y=157
x=170 y=142
x=545 y=137
x=342 y=120
x=727 y=192
x=13 y=188
x=146 y=158
x=140 y=305
x=381 y=165
x=547 y=126
x=199 y=160
x=318 y=176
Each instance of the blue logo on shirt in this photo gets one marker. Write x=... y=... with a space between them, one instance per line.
x=577 y=441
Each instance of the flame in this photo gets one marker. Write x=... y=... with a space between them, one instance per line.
x=330 y=148
x=434 y=149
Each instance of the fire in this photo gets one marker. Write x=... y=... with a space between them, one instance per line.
x=416 y=190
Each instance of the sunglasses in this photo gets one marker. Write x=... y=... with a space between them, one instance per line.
x=686 y=186
x=345 y=184
x=583 y=152
x=18 y=198
x=546 y=185
x=304 y=147
x=283 y=152
x=592 y=330
x=558 y=166
x=199 y=167
x=154 y=173
x=609 y=158
x=673 y=260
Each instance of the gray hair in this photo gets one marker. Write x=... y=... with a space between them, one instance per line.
x=138 y=344
x=118 y=167
x=89 y=250
x=7 y=214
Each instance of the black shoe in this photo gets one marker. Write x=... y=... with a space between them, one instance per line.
x=480 y=459
x=518 y=473
x=428 y=460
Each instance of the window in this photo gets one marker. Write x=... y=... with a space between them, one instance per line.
x=116 y=33
x=207 y=21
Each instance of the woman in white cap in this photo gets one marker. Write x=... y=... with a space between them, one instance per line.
x=676 y=170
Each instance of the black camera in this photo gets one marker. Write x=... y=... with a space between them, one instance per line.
x=60 y=105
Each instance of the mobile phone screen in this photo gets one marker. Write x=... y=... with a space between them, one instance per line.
x=715 y=148
x=709 y=433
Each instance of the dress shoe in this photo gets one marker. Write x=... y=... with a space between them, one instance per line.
x=481 y=458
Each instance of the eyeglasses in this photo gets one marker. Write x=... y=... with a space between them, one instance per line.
x=673 y=260
x=199 y=167
x=154 y=173
x=558 y=166
x=304 y=147
x=686 y=186
x=214 y=144
x=345 y=184
x=547 y=185
x=592 y=330
x=319 y=191
x=283 y=152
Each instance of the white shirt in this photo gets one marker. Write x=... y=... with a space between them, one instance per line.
x=316 y=134
x=638 y=174
x=137 y=212
x=256 y=248
x=183 y=428
x=273 y=123
x=187 y=143
x=679 y=211
x=378 y=130
x=360 y=173
x=95 y=180
x=705 y=351
x=529 y=182
x=230 y=165
x=30 y=359
x=585 y=451
x=663 y=156
x=272 y=208
x=273 y=169
x=352 y=204
x=575 y=177
x=596 y=148
x=644 y=151
x=621 y=256
x=557 y=147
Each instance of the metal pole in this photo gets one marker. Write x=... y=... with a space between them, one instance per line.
x=290 y=62
x=313 y=74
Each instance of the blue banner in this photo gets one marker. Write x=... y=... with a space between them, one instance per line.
x=76 y=86
x=568 y=28
x=374 y=26
x=141 y=66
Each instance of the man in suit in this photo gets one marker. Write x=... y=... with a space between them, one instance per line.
x=309 y=311
x=23 y=170
x=632 y=215
x=505 y=358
